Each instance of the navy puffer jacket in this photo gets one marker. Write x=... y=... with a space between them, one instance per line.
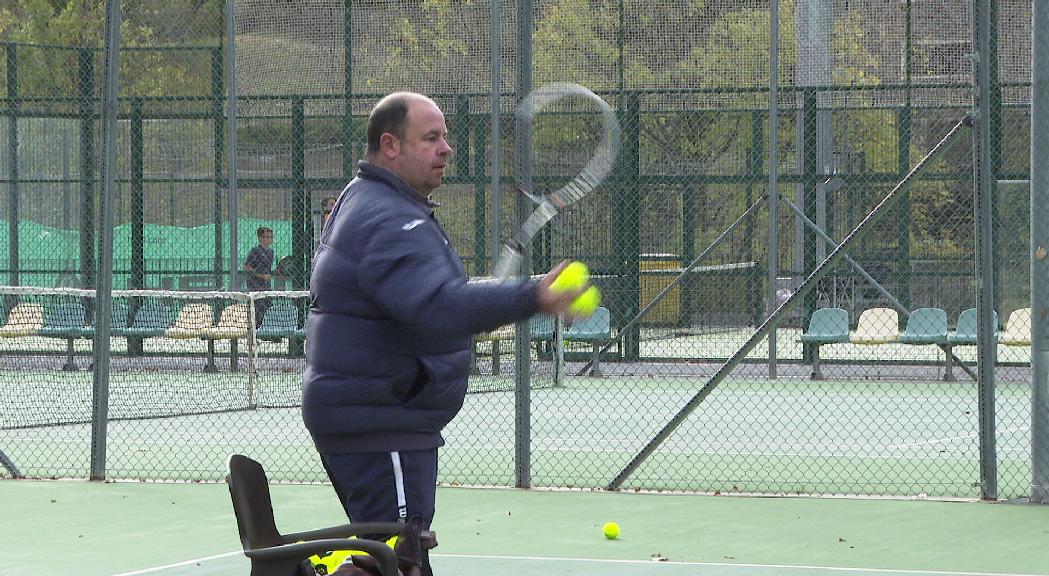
x=391 y=322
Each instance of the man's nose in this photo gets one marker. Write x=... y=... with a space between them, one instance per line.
x=446 y=149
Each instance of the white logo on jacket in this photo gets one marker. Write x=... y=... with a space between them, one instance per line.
x=412 y=224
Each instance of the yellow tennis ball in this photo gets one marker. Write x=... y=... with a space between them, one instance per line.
x=573 y=277
x=329 y=562
x=585 y=304
x=610 y=530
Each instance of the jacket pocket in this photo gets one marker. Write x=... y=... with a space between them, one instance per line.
x=441 y=382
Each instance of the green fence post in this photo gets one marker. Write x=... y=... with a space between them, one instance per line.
x=480 y=141
x=903 y=209
x=86 y=71
x=626 y=235
x=137 y=278
x=754 y=174
x=221 y=184
x=688 y=249
x=12 y=149
x=347 y=112
x=995 y=133
x=299 y=200
x=808 y=179
x=461 y=137
x=300 y=240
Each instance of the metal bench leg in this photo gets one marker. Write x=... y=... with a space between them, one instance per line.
x=595 y=370
x=948 y=368
x=10 y=465
x=495 y=358
x=70 y=365
x=474 y=370
x=233 y=356
x=210 y=366
x=816 y=373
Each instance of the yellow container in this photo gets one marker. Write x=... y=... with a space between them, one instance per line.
x=657 y=272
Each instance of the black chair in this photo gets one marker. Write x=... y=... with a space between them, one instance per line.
x=276 y=554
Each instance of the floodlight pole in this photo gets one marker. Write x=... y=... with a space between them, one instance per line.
x=523 y=170
x=231 y=145
x=1039 y=254
x=773 y=194
x=104 y=285
x=494 y=121
x=986 y=342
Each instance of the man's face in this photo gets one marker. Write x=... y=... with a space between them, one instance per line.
x=266 y=238
x=424 y=152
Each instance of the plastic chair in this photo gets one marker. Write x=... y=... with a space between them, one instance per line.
x=925 y=326
x=276 y=554
x=964 y=334
x=64 y=320
x=826 y=326
x=24 y=320
x=232 y=324
x=118 y=319
x=193 y=319
x=595 y=329
x=501 y=333
x=877 y=326
x=542 y=327
x=1017 y=328
x=280 y=321
x=152 y=319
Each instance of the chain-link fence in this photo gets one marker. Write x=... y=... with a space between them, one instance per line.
x=865 y=381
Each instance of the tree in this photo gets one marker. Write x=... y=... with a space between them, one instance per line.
x=51 y=35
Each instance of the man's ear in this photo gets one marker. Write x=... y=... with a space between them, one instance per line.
x=389 y=146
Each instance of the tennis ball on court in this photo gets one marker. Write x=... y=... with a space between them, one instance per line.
x=584 y=305
x=610 y=530
x=573 y=277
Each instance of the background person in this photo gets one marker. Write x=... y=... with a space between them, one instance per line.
x=259 y=266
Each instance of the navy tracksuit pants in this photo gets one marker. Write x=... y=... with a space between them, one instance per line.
x=385 y=486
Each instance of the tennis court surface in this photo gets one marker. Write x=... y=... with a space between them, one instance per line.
x=165 y=529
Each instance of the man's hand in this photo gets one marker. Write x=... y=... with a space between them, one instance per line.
x=555 y=302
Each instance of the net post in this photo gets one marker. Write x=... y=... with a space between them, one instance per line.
x=252 y=349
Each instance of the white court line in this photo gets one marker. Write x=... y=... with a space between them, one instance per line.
x=730 y=565
x=639 y=562
x=952 y=438
x=179 y=564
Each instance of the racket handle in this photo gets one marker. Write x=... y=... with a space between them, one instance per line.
x=509 y=262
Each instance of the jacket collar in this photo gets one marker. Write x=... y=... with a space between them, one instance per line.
x=371 y=171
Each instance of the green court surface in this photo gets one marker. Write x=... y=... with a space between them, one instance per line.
x=110 y=529
x=783 y=437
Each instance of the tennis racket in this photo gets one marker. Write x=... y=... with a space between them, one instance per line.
x=595 y=171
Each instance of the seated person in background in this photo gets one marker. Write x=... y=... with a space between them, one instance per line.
x=258 y=266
